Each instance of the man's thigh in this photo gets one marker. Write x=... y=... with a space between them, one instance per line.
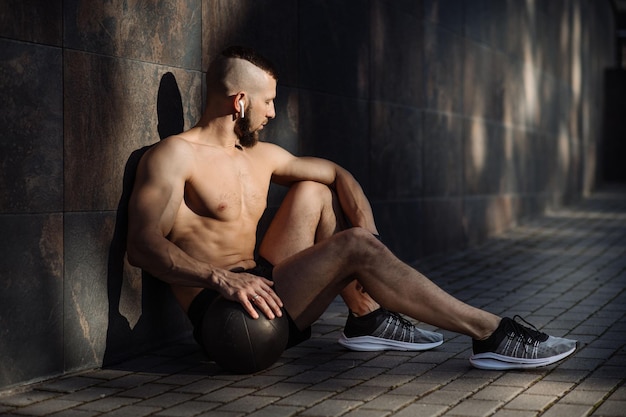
x=310 y=212
x=309 y=281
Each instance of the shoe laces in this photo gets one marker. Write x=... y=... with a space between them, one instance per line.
x=526 y=331
x=398 y=320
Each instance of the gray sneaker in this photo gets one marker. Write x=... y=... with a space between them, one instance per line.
x=385 y=330
x=516 y=346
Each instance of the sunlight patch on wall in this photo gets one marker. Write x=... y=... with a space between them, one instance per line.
x=478 y=145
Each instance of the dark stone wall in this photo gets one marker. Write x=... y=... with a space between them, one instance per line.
x=459 y=118
x=81 y=82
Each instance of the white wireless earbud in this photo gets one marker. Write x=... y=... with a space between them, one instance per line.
x=241 y=111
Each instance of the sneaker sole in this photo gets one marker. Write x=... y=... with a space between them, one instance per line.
x=496 y=362
x=374 y=344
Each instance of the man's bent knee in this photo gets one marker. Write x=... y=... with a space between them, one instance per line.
x=360 y=244
x=312 y=191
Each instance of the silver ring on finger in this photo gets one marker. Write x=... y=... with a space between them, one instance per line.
x=254 y=297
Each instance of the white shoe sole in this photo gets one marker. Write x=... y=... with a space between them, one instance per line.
x=496 y=362
x=374 y=344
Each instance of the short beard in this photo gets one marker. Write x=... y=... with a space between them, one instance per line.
x=247 y=137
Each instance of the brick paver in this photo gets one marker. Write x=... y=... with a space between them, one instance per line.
x=564 y=272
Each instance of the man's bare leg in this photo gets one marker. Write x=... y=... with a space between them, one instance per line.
x=311 y=213
x=308 y=215
x=308 y=281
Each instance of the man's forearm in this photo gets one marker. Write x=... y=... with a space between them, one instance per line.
x=354 y=202
x=166 y=261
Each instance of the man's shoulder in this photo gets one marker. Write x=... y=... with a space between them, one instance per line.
x=269 y=149
x=172 y=146
x=176 y=142
x=169 y=155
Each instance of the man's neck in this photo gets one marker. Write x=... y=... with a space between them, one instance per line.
x=216 y=132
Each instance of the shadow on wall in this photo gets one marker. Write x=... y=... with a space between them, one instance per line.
x=614 y=169
x=157 y=305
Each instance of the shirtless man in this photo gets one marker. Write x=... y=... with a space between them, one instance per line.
x=197 y=201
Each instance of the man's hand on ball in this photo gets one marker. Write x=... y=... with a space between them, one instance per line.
x=249 y=289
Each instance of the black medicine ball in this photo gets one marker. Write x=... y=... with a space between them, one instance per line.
x=239 y=343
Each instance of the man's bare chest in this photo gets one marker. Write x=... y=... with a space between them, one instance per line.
x=227 y=191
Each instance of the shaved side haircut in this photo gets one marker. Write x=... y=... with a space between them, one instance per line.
x=251 y=56
x=225 y=74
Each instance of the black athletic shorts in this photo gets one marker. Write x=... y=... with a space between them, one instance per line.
x=203 y=300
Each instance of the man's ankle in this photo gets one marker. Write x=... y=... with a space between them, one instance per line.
x=489 y=329
x=364 y=311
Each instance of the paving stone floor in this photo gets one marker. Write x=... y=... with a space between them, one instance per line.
x=564 y=272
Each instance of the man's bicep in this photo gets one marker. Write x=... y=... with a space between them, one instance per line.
x=154 y=200
x=152 y=209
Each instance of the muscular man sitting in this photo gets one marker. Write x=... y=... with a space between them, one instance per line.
x=197 y=202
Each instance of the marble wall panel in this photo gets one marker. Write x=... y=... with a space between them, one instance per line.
x=545 y=163
x=397 y=55
x=486 y=216
x=513 y=110
x=513 y=169
x=87 y=239
x=448 y=14
x=521 y=165
x=111 y=311
x=399 y=224
x=110 y=111
x=532 y=205
x=283 y=131
x=537 y=181
x=482 y=21
x=441 y=225
x=569 y=163
x=551 y=51
x=269 y=26
x=414 y=8
x=444 y=53
x=31 y=144
x=37 y=21
x=142 y=315
x=518 y=35
x=477 y=74
x=487 y=157
x=484 y=82
x=549 y=91
x=555 y=160
x=396 y=152
x=416 y=228
x=508 y=183
x=31 y=300
x=443 y=158
x=601 y=47
x=166 y=32
x=336 y=128
x=334 y=49
x=529 y=92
